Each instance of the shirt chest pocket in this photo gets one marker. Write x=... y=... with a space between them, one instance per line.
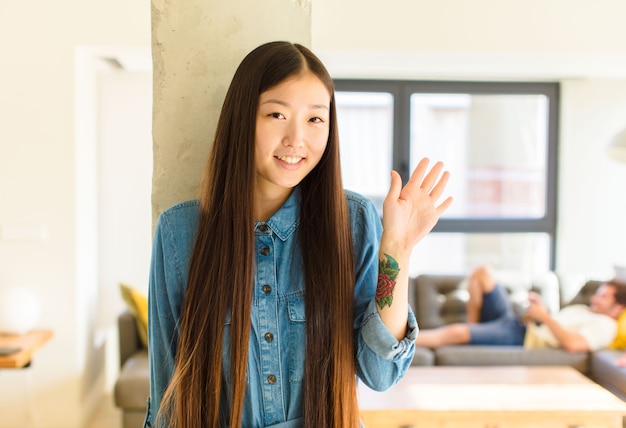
x=296 y=346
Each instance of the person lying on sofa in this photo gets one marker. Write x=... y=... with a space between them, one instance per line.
x=491 y=319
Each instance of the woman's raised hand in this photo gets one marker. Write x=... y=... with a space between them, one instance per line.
x=410 y=212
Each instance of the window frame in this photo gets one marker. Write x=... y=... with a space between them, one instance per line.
x=401 y=90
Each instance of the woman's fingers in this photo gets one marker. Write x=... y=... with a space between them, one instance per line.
x=439 y=187
x=432 y=176
x=415 y=180
x=442 y=207
x=423 y=182
x=395 y=187
x=430 y=183
x=421 y=178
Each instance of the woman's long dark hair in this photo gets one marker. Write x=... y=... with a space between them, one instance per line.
x=221 y=274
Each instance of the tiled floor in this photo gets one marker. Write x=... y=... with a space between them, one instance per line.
x=107 y=415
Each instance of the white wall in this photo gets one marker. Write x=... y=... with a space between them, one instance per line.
x=38 y=189
x=124 y=105
x=592 y=206
x=125 y=172
x=532 y=26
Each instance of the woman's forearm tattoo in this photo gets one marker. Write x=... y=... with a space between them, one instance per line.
x=387 y=272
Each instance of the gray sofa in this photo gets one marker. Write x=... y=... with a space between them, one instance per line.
x=440 y=299
x=437 y=300
x=132 y=387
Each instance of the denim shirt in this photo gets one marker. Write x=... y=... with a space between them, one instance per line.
x=277 y=338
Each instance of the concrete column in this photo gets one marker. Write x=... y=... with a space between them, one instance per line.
x=196 y=47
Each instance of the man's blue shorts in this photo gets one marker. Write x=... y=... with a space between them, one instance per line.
x=499 y=325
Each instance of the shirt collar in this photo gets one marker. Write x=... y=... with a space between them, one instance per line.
x=286 y=220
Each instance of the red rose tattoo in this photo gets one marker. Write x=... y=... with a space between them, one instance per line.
x=385 y=287
x=387 y=272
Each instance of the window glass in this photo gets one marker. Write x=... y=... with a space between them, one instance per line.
x=497 y=139
x=458 y=253
x=494 y=145
x=366 y=140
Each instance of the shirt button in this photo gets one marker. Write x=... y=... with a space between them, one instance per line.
x=265 y=251
x=267 y=289
x=271 y=379
x=269 y=337
x=263 y=228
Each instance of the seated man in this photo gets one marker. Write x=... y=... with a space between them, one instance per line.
x=492 y=321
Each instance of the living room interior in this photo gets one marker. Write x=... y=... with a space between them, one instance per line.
x=76 y=163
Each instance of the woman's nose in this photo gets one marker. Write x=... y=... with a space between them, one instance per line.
x=294 y=136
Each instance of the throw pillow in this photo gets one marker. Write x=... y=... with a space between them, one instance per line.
x=137 y=303
x=620 y=339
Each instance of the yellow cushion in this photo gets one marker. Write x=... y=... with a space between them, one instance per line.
x=137 y=303
x=620 y=339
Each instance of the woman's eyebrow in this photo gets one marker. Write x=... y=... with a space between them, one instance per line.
x=283 y=103
x=322 y=106
x=275 y=101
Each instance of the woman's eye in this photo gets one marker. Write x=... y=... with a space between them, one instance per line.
x=316 y=119
x=276 y=115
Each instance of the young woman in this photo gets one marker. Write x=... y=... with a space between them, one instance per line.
x=277 y=289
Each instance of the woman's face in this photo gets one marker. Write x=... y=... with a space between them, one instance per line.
x=292 y=126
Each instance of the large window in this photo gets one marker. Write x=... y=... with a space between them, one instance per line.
x=497 y=139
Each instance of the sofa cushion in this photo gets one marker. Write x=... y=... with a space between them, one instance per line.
x=608 y=374
x=132 y=387
x=470 y=355
x=423 y=357
x=438 y=299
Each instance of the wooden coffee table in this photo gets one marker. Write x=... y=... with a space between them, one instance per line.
x=492 y=397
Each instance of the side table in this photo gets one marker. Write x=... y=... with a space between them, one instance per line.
x=27 y=344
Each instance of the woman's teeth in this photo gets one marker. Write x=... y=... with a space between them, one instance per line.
x=289 y=159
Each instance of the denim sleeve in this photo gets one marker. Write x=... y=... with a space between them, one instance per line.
x=381 y=359
x=164 y=294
